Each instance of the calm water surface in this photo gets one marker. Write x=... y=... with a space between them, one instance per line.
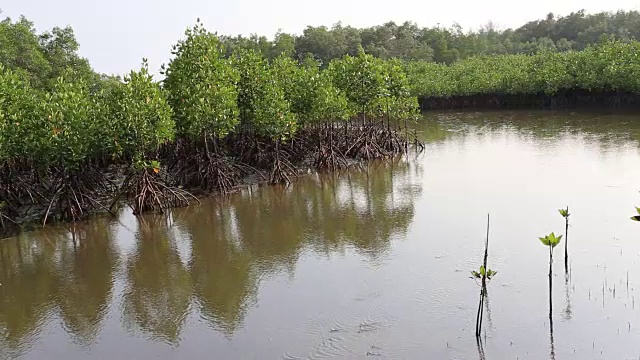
x=366 y=264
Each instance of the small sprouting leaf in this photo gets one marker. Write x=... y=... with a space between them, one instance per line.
x=564 y=212
x=555 y=240
x=490 y=274
x=544 y=240
x=638 y=209
x=482 y=271
x=551 y=240
x=635 y=218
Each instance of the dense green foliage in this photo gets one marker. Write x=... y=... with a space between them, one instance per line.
x=226 y=107
x=42 y=58
x=608 y=66
x=22 y=109
x=65 y=131
x=311 y=93
x=439 y=44
x=201 y=87
x=361 y=78
x=261 y=96
x=141 y=116
x=69 y=129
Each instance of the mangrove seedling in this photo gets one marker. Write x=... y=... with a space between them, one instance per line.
x=637 y=217
x=551 y=241
x=565 y=214
x=483 y=274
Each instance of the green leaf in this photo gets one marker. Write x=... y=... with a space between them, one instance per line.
x=551 y=240
x=564 y=212
x=544 y=240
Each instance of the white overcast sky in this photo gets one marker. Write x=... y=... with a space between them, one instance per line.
x=116 y=34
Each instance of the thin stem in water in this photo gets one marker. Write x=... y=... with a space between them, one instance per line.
x=566 y=240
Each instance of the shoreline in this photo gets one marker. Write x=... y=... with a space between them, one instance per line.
x=570 y=99
x=31 y=219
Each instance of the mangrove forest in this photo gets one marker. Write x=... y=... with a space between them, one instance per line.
x=75 y=143
x=69 y=149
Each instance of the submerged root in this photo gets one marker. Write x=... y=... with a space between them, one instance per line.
x=146 y=190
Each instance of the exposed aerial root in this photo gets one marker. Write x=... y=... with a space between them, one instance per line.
x=146 y=190
x=29 y=192
x=210 y=172
x=75 y=194
x=282 y=171
x=329 y=158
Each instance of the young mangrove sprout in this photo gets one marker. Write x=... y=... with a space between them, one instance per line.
x=551 y=241
x=637 y=217
x=483 y=274
x=565 y=214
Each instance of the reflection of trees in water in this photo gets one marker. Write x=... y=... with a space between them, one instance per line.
x=271 y=225
x=221 y=274
x=27 y=296
x=606 y=131
x=47 y=271
x=158 y=292
x=430 y=131
x=257 y=233
x=363 y=210
x=87 y=264
x=251 y=235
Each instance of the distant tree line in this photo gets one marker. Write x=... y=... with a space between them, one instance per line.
x=43 y=57
x=446 y=45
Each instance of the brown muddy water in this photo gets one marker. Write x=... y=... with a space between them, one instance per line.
x=365 y=264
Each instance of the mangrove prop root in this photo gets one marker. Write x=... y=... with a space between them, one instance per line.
x=210 y=172
x=282 y=170
x=329 y=158
x=146 y=190
x=368 y=144
x=76 y=193
x=56 y=193
x=7 y=223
